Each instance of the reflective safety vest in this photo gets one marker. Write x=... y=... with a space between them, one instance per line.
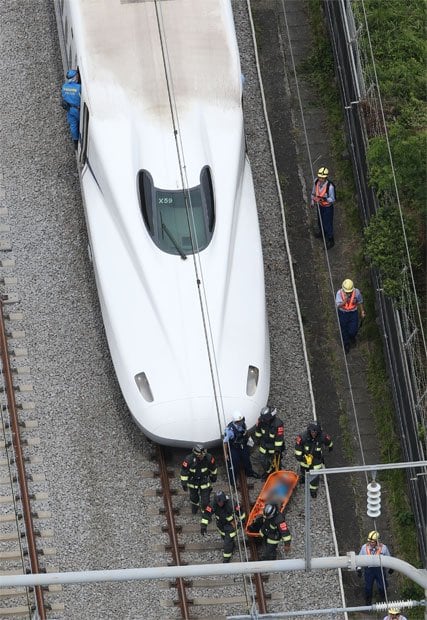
x=321 y=193
x=375 y=551
x=350 y=303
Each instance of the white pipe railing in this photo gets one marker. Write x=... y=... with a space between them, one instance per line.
x=349 y=562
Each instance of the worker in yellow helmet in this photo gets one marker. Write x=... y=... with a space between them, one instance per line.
x=349 y=300
x=394 y=614
x=323 y=198
x=374 y=573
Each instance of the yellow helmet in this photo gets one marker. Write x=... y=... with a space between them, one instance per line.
x=394 y=610
x=348 y=286
x=374 y=536
x=322 y=173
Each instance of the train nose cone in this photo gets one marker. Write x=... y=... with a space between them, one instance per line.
x=187 y=422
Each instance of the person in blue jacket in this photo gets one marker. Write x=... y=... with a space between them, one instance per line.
x=237 y=438
x=71 y=91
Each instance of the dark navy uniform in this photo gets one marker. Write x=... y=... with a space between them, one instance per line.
x=226 y=516
x=273 y=529
x=236 y=435
x=198 y=471
x=309 y=452
x=269 y=433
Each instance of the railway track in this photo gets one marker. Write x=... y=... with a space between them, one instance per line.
x=24 y=530
x=207 y=597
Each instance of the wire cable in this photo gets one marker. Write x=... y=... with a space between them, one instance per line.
x=201 y=289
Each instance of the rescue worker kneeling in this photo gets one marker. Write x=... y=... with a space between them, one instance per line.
x=227 y=516
x=273 y=528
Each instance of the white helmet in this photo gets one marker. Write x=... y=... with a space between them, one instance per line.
x=268 y=412
x=237 y=416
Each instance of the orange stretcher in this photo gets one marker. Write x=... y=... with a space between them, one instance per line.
x=277 y=490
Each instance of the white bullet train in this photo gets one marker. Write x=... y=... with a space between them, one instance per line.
x=170 y=210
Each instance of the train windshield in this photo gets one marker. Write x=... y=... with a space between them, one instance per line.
x=179 y=221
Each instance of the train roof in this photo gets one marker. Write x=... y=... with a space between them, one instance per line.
x=121 y=50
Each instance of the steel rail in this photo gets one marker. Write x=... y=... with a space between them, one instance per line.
x=20 y=465
x=259 y=585
x=184 y=603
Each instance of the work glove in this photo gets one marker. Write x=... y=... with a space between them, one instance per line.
x=184 y=487
x=203 y=529
x=359 y=572
x=390 y=571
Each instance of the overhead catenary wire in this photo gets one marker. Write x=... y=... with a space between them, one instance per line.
x=200 y=282
x=288 y=251
x=331 y=284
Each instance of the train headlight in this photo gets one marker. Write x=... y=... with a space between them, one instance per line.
x=144 y=387
x=252 y=380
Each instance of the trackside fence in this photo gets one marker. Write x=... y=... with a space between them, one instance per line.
x=402 y=334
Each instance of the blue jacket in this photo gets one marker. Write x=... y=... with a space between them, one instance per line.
x=71 y=93
x=235 y=434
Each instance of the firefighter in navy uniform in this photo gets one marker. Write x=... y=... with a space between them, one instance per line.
x=309 y=452
x=273 y=529
x=227 y=516
x=198 y=471
x=269 y=434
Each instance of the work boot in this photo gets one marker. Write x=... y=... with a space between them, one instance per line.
x=313 y=493
x=330 y=243
x=226 y=560
x=347 y=347
x=194 y=509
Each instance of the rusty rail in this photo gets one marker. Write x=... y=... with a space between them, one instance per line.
x=184 y=603
x=20 y=465
x=259 y=585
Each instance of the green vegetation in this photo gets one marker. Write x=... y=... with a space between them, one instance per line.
x=397 y=32
x=383 y=237
x=386 y=247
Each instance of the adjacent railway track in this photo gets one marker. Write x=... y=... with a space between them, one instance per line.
x=190 y=596
x=21 y=537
